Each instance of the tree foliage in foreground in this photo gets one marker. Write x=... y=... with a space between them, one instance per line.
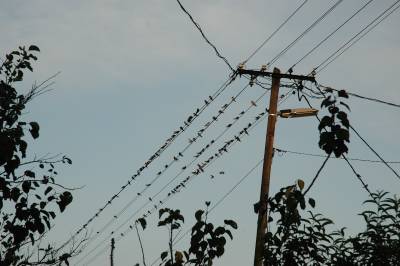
x=30 y=198
x=207 y=242
x=299 y=239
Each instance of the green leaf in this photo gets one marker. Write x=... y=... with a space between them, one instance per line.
x=343 y=134
x=229 y=234
x=325 y=121
x=231 y=223
x=34 y=48
x=343 y=94
x=311 y=201
x=198 y=215
x=26 y=186
x=343 y=119
x=345 y=105
x=164 y=255
x=30 y=173
x=34 y=129
x=48 y=189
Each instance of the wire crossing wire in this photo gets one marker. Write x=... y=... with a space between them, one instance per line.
x=316 y=22
x=332 y=33
x=178 y=188
x=280 y=150
x=204 y=36
x=374 y=151
x=364 y=31
x=275 y=32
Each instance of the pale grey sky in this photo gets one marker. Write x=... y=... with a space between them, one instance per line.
x=132 y=71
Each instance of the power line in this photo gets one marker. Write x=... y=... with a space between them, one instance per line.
x=167 y=166
x=204 y=36
x=374 y=151
x=317 y=174
x=157 y=154
x=279 y=150
x=230 y=191
x=196 y=172
x=273 y=33
x=186 y=167
x=316 y=22
x=332 y=33
x=356 y=37
x=360 y=96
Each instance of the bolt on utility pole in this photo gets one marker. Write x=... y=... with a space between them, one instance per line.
x=262 y=221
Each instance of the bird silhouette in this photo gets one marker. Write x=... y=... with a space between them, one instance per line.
x=290 y=70
x=253 y=103
x=221 y=172
x=211 y=98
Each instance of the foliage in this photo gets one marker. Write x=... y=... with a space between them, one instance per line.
x=298 y=240
x=334 y=128
x=28 y=192
x=207 y=240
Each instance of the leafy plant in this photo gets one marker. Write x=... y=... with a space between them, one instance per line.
x=334 y=128
x=29 y=193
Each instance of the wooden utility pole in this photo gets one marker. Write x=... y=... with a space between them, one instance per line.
x=266 y=173
x=262 y=221
x=112 y=251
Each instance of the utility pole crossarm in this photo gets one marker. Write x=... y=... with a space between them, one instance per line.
x=274 y=75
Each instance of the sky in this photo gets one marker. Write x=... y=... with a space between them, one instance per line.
x=132 y=72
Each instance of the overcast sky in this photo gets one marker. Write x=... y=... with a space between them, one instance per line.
x=131 y=73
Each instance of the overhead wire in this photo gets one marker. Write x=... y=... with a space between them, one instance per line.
x=326 y=88
x=359 y=177
x=364 y=31
x=331 y=34
x=177 y=189
x=275 y=32
x=374 y=151
x=204 y=36
x=280 y=150
x=155 y=155
x=220 y=200
x=316 y=22
x=232 y=77
x=241 y=114
x=174 y=159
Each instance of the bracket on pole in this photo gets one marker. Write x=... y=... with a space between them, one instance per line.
x=242 y=71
